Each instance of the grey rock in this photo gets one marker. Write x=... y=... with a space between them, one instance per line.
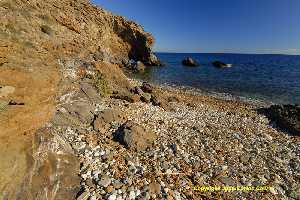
x=105 y=181
x=82 y=110
x=117 y=184
x=90 y=91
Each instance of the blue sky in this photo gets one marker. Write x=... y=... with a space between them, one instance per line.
x=230 y=26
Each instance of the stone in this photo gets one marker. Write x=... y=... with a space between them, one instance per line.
x=154 y=61
x=169 y=197
x=287 y=117
x=126 y=96
x=165 y=105
x=174 y=148
x=147 y=87
x=154 y=188
x=131 y=195
x=139 y=67
x=105 y=181
x=227 y=181
x=155 y=101
x=90 y=183
x=245 y=159
x=109 y=189
x=135 y=98
x=105 y=118
x=84 y=196
x=173 y=99
x=190 y=62
x=112 y=197
x=137 y=90
x=117 y=184
x=90 y=91
x=82 y=110
x=145 y=97
x=220 y=64
x=135 y=137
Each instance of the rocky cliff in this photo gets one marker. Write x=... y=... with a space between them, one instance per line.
x=47 y=49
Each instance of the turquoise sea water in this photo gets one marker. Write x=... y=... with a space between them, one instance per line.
x=269 y=78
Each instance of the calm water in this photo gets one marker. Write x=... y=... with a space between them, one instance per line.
x=270 y=78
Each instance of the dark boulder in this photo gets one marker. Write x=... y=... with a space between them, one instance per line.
x=155 y=101
x=220 y=64
x=146 y=87
x=190 y=62
x=287 y=117
x=136 y=90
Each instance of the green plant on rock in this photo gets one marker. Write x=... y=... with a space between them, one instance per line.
x=101 y=84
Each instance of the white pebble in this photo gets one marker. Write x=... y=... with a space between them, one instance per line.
x=112 y=197
x=132 y=195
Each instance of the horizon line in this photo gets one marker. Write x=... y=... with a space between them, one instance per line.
x=227 y=53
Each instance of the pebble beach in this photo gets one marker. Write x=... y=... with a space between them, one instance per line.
x=202 y=141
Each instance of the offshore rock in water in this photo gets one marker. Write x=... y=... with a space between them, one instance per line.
x=220 y=64
x=287 y=117
x=190 y=62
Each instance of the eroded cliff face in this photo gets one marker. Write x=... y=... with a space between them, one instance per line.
x=74 y=27
x=45 y=46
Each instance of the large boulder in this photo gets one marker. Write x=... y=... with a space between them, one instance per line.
x=287 y=117
x=135 y=137
x=190 y=62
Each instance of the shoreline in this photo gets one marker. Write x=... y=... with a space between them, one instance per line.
x=206 y=93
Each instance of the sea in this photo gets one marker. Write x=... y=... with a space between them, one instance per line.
x=272 y=79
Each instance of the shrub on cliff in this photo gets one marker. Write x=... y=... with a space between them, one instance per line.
x=100 y=82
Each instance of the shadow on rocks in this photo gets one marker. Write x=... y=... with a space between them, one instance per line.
x=118 y=135
x=285 y=117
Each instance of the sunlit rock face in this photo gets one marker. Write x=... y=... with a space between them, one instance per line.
x=37 y=38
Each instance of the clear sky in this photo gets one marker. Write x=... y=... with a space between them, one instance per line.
x=236 y=26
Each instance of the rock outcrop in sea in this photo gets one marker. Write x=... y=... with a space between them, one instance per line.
x=220 y=64
x=190 y=62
